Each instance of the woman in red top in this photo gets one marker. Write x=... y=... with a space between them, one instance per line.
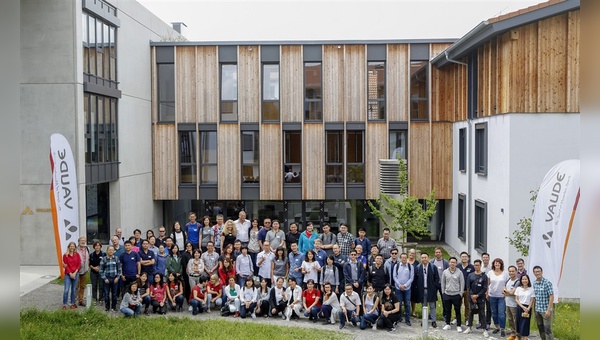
x=311 y=299
x=175 y=293
x=226 y=271
x=158 y=293
x=72 y=264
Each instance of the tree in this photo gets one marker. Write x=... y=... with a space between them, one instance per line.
x=521 y=235
x=405 y=214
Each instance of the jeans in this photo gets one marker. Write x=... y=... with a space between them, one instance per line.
x=498 y=307
x=544 y=325
x=97 y=286
x=370 y=318
x=197 y=306
x=218 y=302
x=329 y=312
x=244 y=311
x=404 y=297
x=111 y=287
x=351 y=317
x=450 y=301
x=255 y=267
x=156 y=307
x=72 y=285
x=146 y=301
x=178 y=302
x=314 y=313
x=129 y=312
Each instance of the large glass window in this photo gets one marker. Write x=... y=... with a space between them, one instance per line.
x=101 y=138
x=97 y=213
x=480 y=225
x=250 y=157
x=313 y=103
x=419 y=91
x=481 y=149
x=292 y=156
x=229 y=93
x=208 y=157
x=376 y=90
x=462 y=215
x=99 y=49
x=462 y=149
x=166 y=92
x=270 y=92
x=334 y=165
x=397 y=144
x=187 y=157
x=355 y=157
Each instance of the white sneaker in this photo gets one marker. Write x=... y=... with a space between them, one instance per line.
x=190 y=308
x=254 y=315
x=453 y=322
x=485 y=334
x=459 y=329
x=447 y=327
x=467 y=331
x=375 y=327
x=282 y=316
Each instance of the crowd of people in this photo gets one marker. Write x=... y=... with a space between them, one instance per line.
x=245 y=270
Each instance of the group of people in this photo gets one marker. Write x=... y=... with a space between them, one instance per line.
x=242 y=269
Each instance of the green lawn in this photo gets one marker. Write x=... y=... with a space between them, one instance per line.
x=431 y=252
x=97 y=325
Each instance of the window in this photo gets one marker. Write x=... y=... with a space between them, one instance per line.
x=99 y=49
x=481 y=149
x=376 y=90
x=270 y=94
x=398 y=144
x=208 y=157
x=355 y=157
x=166 y=92
x=462 y=214
x=101 y=138
x=334 y=157
x=313 y=104
x=229 y=95
x=462 y=149
x=480 y=225
x=97 y=213
x=187 y=157
x=419 y=91
x=292 y=156
x=250 y=157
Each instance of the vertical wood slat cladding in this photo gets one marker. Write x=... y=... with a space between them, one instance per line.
x=333 y=83
x=552 y=64
x=154 y=89
x=419 y=159
x=271 y=165
x=185 y=87
x=229 y=161
x=448 y=93
x=376 y=148
x=355 y=83
x=249 y=84
x=573 y=62
x=441 y=159
x=313 y=162
x=207 y=84
x=292 y=85
x=165 y=162
x=436 y=49
x=397 y=82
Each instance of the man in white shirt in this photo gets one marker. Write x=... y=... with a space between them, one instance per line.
x=349 y=305
x=263 y=261
x=242 y=225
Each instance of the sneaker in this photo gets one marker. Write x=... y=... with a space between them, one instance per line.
x=487 y=327
x=282 y=316
x=342 y=326
x=237 y=314
x=495 y=331
x=254 y=315
x=447 y=327
x=433 y=324
x=459 y=329
x=190 y=308
x=485 y=334
x=81 y=304
x=64 y=308
x=467 y=331
x=408 y=323
x=393 y=329
x=73 y=306
x=374 y=327
x=478 y=326
x=453 y=322
x=502 y=334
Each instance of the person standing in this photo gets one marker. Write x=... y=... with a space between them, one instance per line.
x=162 y=236
x=544 y=301
x=147 y=259
x=71 y=264
x=192 y=230
x=262 y=233
x=293 y=236
x=275 y=236
x=345 y=240
x=295 y=258
x=254 y=245
x=441 y=264
x=119 y=234
x=363 y=241
x=477 y=284
x=509 y=298
x=427 y=283
x=320 y=254
x=84 y=255
x=413 y=261
x=110 y=271
x=307 y=238
x=242 y=226
x=119 y=248
x=218 y=231
x=403 y=277
x=377 y=275
x=327 y=238
x=354 y=273
x=497 y=281
x=466 y=268
x=97 y=283
x=178 y=236
x=486 y=266
x=264 y=261
x=130 y=262
x=521 y=268
x=390 y=266
x=453 y=284
x=386 y=244
x=206 y=233
x=524 y=297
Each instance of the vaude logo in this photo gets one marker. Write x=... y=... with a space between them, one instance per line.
x=548 y=238
x=556 y=191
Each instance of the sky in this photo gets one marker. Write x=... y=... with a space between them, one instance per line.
x=260 y=20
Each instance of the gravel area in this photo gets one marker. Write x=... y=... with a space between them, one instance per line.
x=49 y=297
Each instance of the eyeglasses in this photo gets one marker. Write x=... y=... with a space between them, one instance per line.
x=394 y=253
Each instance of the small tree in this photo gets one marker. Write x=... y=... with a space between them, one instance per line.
x=521 y=235
x=405 y=214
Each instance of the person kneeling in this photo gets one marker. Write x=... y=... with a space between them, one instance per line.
x=198 y=298
x=130 y=305
x=294 y=297
x=349 y=302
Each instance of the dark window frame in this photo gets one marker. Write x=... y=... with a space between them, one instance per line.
x=163 y=104
x=101 y=50
x=416 y=100
x=188 y=148
x=406 y=141
x=339 y=163
x=97 y=135
x=308 y=102
x=481 y=149
x=201 y=163
x=480 y=218
x=290 y=165
x=462 y=150
x=462 y=217
x=379 y=103
x=256 y=149
x=360 y=163
x=276 y=102
x=233 y=102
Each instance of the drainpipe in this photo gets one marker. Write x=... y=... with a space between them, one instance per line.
x=454 y=61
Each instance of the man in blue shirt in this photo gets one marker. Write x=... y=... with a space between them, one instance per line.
x=295 y=259
x=147 y=259
x=364 y=241
x=320 y=254
x=130 y=264
x=192 y=230
x=544 y=300
x=403 y=277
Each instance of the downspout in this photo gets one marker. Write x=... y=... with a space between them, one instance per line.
x=452 y=60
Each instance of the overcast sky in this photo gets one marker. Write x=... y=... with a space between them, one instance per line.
x=249 y=20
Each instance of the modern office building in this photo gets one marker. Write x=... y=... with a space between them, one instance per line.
x=85 y=74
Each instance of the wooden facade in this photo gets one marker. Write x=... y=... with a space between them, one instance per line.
x=333 y=83
x=291 y=86
x=397 y=82
x=165 y=172
x=271 y=166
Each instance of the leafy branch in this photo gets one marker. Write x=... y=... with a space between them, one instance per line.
x=522 y=234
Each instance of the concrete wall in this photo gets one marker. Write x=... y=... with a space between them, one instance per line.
x=52 y=102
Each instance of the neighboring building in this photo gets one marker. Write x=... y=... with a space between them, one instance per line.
x=231 y=119
x=85 y=74
x=510 y=87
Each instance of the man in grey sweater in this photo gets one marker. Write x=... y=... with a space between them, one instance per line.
x=453 y=283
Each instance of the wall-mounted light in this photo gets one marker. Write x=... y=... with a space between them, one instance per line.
x=339 y=46
x=250 y=48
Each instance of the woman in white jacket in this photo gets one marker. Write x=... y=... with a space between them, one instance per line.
x=331 y=304
x=233 y=294
x=248 y=298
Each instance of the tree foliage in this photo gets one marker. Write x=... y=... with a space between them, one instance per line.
x=522 y=234
x=405 y=214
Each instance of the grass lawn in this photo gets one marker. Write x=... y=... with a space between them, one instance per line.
x=94 y=324
x=431 y=252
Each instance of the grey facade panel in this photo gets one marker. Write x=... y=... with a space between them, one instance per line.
x=207 y=127
x=292 y=192
x=250 y=192
x=419 y=51
x=376 y=52
x=186 y=127
x=269 y=53
x=334 y=126
x=334 y=192
x=355 y=125
x=249 y=126
x=291 y=126
x=228 y=54
x=313 y=53
x=165 y=54
x=398 y=125
x=187 y=192
x=355 y=192
x=101 y=173
x=209 y=192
